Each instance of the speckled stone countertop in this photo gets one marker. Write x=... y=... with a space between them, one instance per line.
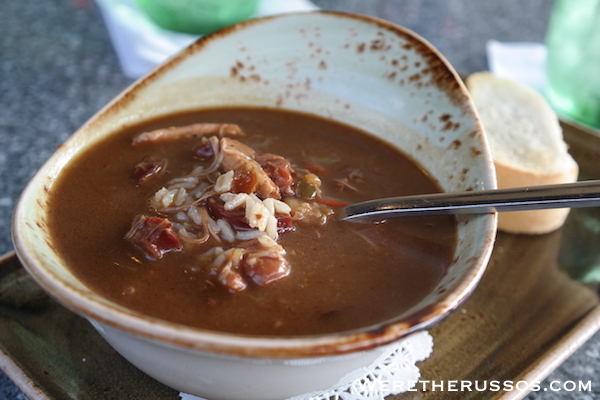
x=58 y=67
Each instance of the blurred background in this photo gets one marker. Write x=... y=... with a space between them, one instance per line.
x=63 y=60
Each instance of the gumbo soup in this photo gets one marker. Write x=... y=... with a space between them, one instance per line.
x=225 y=219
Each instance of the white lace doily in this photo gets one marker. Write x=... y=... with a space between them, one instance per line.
x=392 y=373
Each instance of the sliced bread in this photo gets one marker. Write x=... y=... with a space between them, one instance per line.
x=527 y=145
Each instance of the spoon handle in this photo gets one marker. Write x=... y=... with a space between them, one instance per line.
x=567 y=195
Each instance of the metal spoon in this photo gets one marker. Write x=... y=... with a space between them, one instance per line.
x=567 y=195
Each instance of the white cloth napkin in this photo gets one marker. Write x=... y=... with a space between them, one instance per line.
x=141 y=45
x=523 y=62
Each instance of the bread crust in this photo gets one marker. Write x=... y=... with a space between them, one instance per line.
x=534 y=166
x=532 y=222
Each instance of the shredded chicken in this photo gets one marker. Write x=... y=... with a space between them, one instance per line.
x=250 y=177
x=229 y=275
x=194 y=130
x=343 y=184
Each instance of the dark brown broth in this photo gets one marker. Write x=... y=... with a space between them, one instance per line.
x=344 y=275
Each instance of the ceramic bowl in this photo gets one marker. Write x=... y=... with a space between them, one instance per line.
x=355 y=69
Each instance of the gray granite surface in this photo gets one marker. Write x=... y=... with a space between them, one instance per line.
x=58 y=67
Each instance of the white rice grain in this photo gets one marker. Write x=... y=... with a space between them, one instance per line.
x=220 y=259
x=180 y=196
x=188 y=182
x=269 y=242
x=181 y=217
x=255 y=198
x=269 y=204
x=195 y=216
x=249 y=235
x=184 y=232
x=199 y=191
x=271 y=227
x=198 y=170
x=257 y=216
x=224 y=182
x=281 y=207
x=213 y=226
x=233 y=201
x=214 y=251
x=167 y=198
x=156 y=200
x=227 y=196
x=185 y=179
x=185 y=185
x=227 y=232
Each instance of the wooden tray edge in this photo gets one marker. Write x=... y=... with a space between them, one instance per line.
x=558 y=353
x=20 y=379
x=12 y=369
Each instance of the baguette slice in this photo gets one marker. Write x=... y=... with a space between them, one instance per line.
x=527 y=146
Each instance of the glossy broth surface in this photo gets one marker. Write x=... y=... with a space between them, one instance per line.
x=343 y=275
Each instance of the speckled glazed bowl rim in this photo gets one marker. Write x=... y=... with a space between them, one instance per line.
x=92 y=307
